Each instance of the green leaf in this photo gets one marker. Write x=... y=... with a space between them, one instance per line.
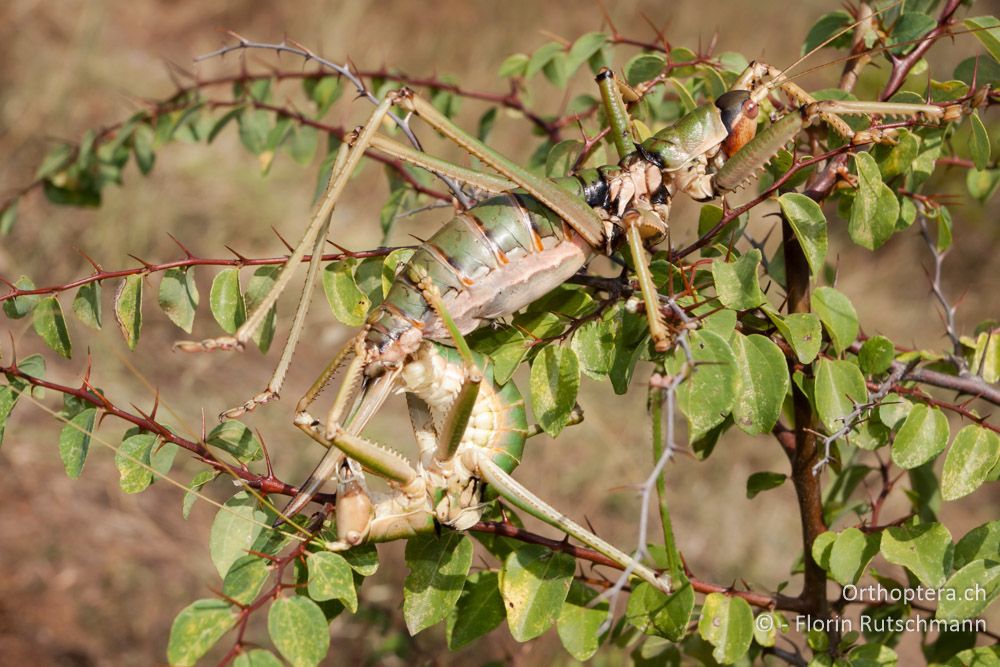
x=970 y=590
x=20 y=306
x=348 y=303
x=803 y=331
x=363 y=559
x=837 y=314
x=562 y=158
x=255 y=125
x=226 y=301
x=875 y=208
x=540 y=58
x=390 y=267
x=8 y=216
x=299 y=630
x=237 y=439
x=478 y=611
x=128 y=309
x=514 y=65
x=74 y=441
x=534 y=583
x=761 y=382
x=839 y=386
x=736 y=282
x=973 y=454
x=302 y=145
x=766 y=627
x=438 y=568
x=583 y=48
x=822 y=548
x=87 y=304
x=245 y=578
x=809 y=224
x=142 y=146
x=653 y=612
x=851 y=553
x=579 y=622
x=178 y=297
x=8 y=397
x=133 y=460
x=48 y=321
x=555 y=380
x=331 y=578
x=923 y=549
x=764 y=481
x=987 y=30
x=594 y=347
x=727 y=624
x=825 y=28
x=644 y=67
x=911 y=26
x=706 y=397
x=323 y=91
x=197 y=628
x=197 y=482
x=980 y=542
x=979 y=142
x=257 y=657
x=876 y=355
x=260 y=284
x=234 y=530
x=984 y=656
x=922 y=436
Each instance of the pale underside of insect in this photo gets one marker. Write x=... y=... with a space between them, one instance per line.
x=490 y=261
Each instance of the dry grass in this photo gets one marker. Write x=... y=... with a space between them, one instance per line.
x=93 y=577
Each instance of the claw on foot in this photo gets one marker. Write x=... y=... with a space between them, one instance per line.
x=251 y=405
x=224 y=343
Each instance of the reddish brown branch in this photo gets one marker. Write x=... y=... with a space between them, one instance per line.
x=189 y=261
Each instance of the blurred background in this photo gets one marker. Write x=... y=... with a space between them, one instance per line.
x=91 y=576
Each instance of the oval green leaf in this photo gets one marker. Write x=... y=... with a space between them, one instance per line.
x=438 y=569
x=970 y=590
x=479 y=610
x=348 y=303
x=197 y=628
x=555 y=381
x=809 y=225
x=924 y=549
x=299 y=630
x=727 y=624
x=74 y=441
x=737 y=283
x=973 y=454
x=234 y=530
x=331 y=578
x=706 y=397
x=839 y=386
x=922 y=436
x=579 y=621
x=761 y=382
x=837 y=314
x=245 y=578
x=226 y=300
x=87 y=304
x=534 y=583
x=178 y=297
x=237 y=439
x=128 y=309
x=876 y=355
x=851 y=553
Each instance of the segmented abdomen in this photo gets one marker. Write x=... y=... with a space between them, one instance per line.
x=489 y=261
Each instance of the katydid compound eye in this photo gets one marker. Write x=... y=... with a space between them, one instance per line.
x=732 y=105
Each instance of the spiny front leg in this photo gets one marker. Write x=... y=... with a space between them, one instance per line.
x=348 y=158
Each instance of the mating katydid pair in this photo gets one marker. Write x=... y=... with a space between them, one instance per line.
x=491 y=260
